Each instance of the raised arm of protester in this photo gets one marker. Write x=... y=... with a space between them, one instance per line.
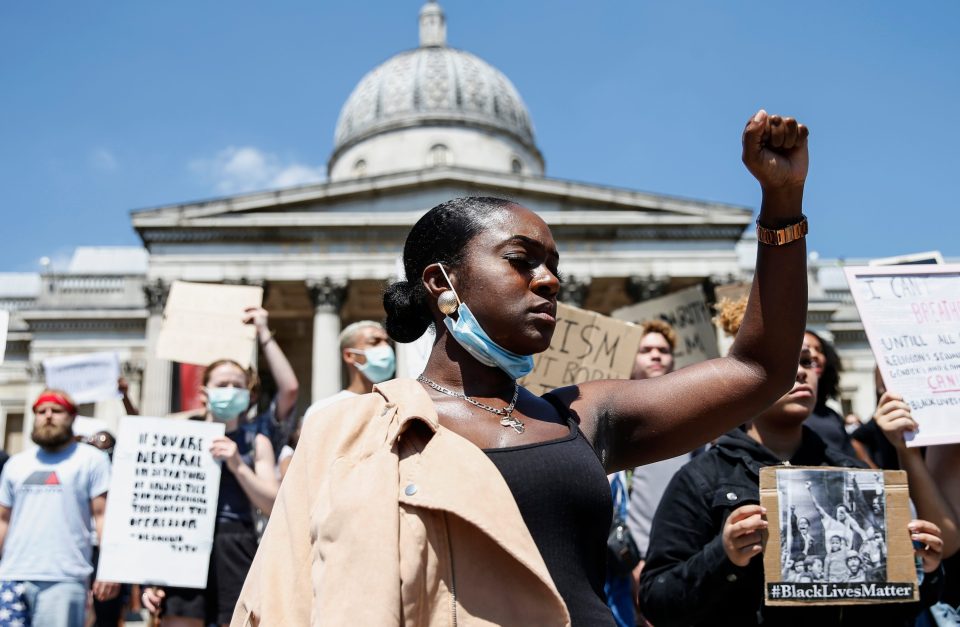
x=128 y=406
x=893 y=416
x=637 y=422
x=282 y=414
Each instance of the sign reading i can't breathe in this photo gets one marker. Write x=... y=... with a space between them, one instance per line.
x=912 y=318
x=162 y=504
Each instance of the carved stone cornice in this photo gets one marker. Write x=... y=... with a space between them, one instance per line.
x=641 y=288
x=573 y=290
x=133 y=369
x=327 y=294
x=35 y=372
x=156 y=293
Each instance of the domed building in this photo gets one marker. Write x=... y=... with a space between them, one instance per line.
x=433 y=106
x=426 y=125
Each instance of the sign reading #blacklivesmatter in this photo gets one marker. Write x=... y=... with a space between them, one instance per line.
x=158 y=527
x=203 y=322
x=911 y=315
x=836 y=536
x=687 y=312
x=586 y=346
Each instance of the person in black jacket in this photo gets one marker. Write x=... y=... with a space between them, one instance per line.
x=703 y=566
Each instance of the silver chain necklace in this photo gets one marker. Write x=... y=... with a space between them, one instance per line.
x=507 y=419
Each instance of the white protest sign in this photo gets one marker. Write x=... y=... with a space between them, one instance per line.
x=4 y=325
x=686 y=311
x=162 y=504
x=203 y=322
x=586 y=346
x=88 y=378
x=912 y=318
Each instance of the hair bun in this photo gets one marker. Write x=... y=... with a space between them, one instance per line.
x=407 y=317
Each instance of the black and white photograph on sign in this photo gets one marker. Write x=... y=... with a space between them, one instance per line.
x=832 y=526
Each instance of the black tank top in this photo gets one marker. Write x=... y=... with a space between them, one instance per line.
x=564 y=497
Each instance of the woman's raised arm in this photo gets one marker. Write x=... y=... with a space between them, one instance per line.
x=637 y=422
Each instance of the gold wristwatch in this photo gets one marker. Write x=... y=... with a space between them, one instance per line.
x=779 y=237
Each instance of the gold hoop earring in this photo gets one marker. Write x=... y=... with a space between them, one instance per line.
x=448 y=302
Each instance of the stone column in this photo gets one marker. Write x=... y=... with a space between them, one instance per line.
x=158 y=373
x=327 y=295
x=36 y=382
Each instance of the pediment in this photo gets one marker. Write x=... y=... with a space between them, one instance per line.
x=399 y=199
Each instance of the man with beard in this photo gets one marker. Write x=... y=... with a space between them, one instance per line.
x=48 y=497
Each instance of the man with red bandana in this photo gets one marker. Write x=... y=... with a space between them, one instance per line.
x=48 y=497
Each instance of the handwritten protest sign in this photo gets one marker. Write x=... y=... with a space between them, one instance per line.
x=163 y=503
x=586 y=346
x=4 y=325
x=912 y=318
x=203 y=322
x=88 y=378
x=812 y=555
x=686 y=311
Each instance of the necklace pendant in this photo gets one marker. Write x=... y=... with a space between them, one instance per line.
x=510 y=421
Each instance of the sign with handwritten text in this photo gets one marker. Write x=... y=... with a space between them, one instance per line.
x=586 y=346
x=687 y=312
x=162 y=503
x=912 y=318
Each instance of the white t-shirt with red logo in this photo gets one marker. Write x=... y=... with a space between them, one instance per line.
x=50 y=534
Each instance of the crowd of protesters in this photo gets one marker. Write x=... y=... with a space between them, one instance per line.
x=462 y=498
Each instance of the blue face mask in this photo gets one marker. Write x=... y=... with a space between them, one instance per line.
x=381 y=363
x=470 y=335
x=225 y=404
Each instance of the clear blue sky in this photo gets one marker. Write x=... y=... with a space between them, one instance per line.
x=110 y=107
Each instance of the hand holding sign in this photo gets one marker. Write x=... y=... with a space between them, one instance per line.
x=742 y=533
x=895 y=420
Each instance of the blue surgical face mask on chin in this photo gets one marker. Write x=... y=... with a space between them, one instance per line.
x=381 y=363
x=225 y=404
x=470 y=335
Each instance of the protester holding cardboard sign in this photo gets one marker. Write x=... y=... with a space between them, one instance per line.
x=522 y=477
x=703 y=567
x=248 y=480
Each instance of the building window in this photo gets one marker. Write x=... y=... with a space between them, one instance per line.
x=516 y=166
x=360 y=168
x=439 y=155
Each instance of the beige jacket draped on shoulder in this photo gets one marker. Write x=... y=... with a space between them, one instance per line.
x=387 y=518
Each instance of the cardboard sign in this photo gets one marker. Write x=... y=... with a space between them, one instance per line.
x=88 y=378
x=912 y=318
x=837 y=536
x=586 y=346
x=4 y=325
x=203 y=322
x=687 y=312
x=162 y=503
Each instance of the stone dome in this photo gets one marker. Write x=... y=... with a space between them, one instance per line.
x=434 y=86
